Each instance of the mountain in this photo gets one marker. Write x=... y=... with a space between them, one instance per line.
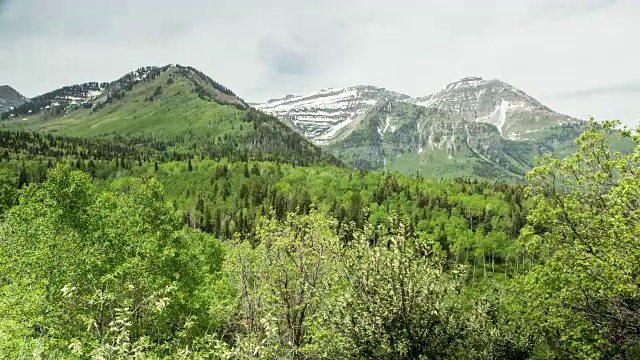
x=516 y=114
x=405 y=137
x=174 y=110
x=329 y=114
x=10 y=98
x=473 y=127
x=95 y=95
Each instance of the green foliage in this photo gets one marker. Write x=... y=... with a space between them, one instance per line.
x=400 y=304
x=8 y=190
x=98 y=267
x=98 y=260
x=585 y=227
x=284 y=285
x=156 y=120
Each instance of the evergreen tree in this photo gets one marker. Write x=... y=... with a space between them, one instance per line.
x=22 y=176
x=91 y=167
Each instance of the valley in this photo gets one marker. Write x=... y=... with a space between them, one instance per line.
x=161 y=216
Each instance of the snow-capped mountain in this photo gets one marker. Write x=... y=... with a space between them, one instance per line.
x=515 y=114
x=471 y=127
x=86 y=95
x=10 y=98
x=328 y=114
x=58 y=101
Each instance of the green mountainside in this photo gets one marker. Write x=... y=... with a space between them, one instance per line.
x=178 y=109
x=160 y=217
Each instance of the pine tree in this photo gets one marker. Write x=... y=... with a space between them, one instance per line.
x=22 y=176
x=91 y=167
x=246 y=171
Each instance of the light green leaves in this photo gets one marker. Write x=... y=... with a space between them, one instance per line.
x=585 y=228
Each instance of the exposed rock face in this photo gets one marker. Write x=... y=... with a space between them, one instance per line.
x=328 y=114
x=395 y=130
x=512 y=111
x=484 y=127
x=10 y=98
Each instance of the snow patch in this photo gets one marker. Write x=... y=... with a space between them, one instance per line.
x=386 y=125
x=504 y=106
x=334 y=130
x=93 y=93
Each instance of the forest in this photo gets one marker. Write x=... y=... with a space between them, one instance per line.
x=154 y=248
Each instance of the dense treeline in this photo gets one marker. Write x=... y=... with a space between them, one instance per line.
x=248 y=259
x=266 y=142
x=475 y=222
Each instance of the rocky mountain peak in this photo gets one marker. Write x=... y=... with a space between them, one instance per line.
x=10 y=98
x=510 y=109
x=329 y=113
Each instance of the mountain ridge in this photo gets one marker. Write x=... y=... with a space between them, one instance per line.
x=326 y=114
x=488 y=126
x=10 y=98
x=495 y=102
x=176 y=106
x=96 y=94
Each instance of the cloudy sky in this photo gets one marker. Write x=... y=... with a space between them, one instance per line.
x=580 y=57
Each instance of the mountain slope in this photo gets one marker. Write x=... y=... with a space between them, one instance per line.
x=517 y=115
x=406 y=137
x=473 y=127
x=10 y=98
x=328 y=114
x=176 y=105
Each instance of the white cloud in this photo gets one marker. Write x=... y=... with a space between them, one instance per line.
x=264 y=49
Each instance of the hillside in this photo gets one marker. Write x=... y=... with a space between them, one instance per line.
x=10 y=98
x=400 y=136
x=178 y=106
x=473 y=127
x=517 y=115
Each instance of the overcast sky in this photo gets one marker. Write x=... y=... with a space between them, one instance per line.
x=580 y=57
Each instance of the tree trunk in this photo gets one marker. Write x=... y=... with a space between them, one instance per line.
x=474 y=267
x=484 y=265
